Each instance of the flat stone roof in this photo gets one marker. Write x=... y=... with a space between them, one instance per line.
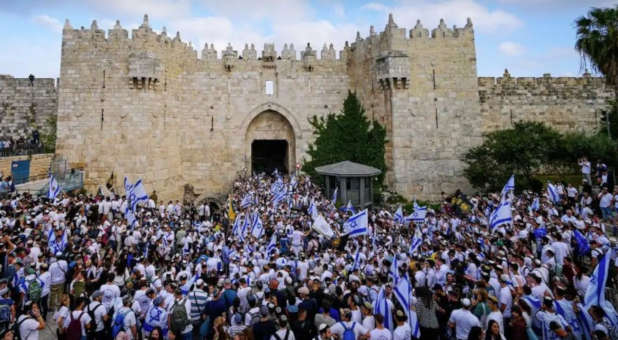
x=347 y=169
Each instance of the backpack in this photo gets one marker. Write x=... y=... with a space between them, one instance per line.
x=119 y=323
x=34 y=290
x=287 y=334
x=16 y=332
x=180 y=320
x=93 y=321
x=5 y=313
x=348 y=333
x=255 y=318
x=74 y=331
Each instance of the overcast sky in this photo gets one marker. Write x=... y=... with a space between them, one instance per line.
x=529 y=37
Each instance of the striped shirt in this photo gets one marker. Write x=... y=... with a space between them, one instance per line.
x=198 y=303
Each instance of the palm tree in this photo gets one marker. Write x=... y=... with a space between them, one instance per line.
x=597 y=42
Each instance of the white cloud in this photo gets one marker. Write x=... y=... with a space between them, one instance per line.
x=48 y=22
x=268 y=10
x=154 y=8
x=374 y=6
x=511 y=49
x=452 y=11
x=339 y=10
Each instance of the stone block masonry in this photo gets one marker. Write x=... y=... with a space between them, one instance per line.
x=147 y=106
x=39 y=165
x=26 y=105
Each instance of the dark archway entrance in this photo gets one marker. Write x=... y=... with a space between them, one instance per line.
x=268 y=155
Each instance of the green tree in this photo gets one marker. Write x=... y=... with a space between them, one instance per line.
x=48 y=135
x=521 y=150
x=597 y=42
x=346 y=136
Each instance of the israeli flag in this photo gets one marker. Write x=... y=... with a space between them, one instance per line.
x=383 y=307
x=135 y=193
x=246 y=201
x=357 y=225
x=398 y=216
x=57 y=245
x=321 y=226
x=394 y=269
x=236 y=227
x=356 y=259
x=258 y=228
x=403 y=293
x=536 y=204
x=277 y=186
x=508 y=187
x=313 y=210
x=553 y=193
x=583 y=246
x=502 y=215
x=348 y=208
x=419 y=214
x=293 y=182
x=279 y=196
x=272 y=245
x=54 y=188
x=334 y=198
x=595 y=294
x=417 y=241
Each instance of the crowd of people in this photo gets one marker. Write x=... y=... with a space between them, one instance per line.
x=20 y=145
x=259 y=268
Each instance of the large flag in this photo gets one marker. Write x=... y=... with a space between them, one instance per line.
x=279 y=196
x=417 y=241
x=554 y=196
x=257 y=228
x=383 y=307
x=135 y=193
x=394 y=269
x=398 y=216
x=357 y=225
x=536 y=204
x=508 y=187
x=54 y=188
x=56 y=245
x=595 y=294
x=502 y=215
x=321 y=226
x=418 y=215
x=348 y=208
x=356 y=259
x=403 y=293
x=313 y=210
x=583 y=246
x=334 y=198
x=272 y=245
x=246 y=201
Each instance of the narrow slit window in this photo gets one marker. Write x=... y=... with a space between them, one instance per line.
x=269 y=88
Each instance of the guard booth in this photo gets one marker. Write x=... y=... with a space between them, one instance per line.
x=354 y=181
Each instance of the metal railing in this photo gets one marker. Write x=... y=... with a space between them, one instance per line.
x=69 y=181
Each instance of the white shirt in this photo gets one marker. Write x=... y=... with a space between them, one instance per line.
x=110 y=293
x=29 y=328
x=464 y=320
x=506 y=299
x=84 y=319
x=129 y=320
x=58 y=271
x=281 y=334
x=338 y=329
x=380 y=334
x=99 y=313
x=402 y=332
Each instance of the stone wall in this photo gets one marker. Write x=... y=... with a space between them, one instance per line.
x=39 y=165
x=146 y=106
x=25 y=106
x=566 y=103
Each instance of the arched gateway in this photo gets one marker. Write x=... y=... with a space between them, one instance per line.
x=270 y=143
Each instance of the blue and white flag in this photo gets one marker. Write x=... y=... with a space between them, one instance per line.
x=595 y=294
x=357 y=225
x=403 y=292
x=554 y=196
x=279 y=196
x=313 y=210
x=536 y=204
x=57 y=245
x=394 y=269
x=418 y=215
x=236 y=228
x=257 y=228
x=246 y=201
x=398 y=216
x=348 y=208
x=508 y=187
x=356 y=259
x=502 y=215
x=383 y=307
x=583 y=246
x=417 y=241
x=54 y=188
x=272 y=245
x=334 y=198
x=321 y=226
x=135 y=193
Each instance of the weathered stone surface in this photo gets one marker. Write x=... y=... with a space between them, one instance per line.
x=147 y=106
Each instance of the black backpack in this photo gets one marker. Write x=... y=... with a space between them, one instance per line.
x=16 y=332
